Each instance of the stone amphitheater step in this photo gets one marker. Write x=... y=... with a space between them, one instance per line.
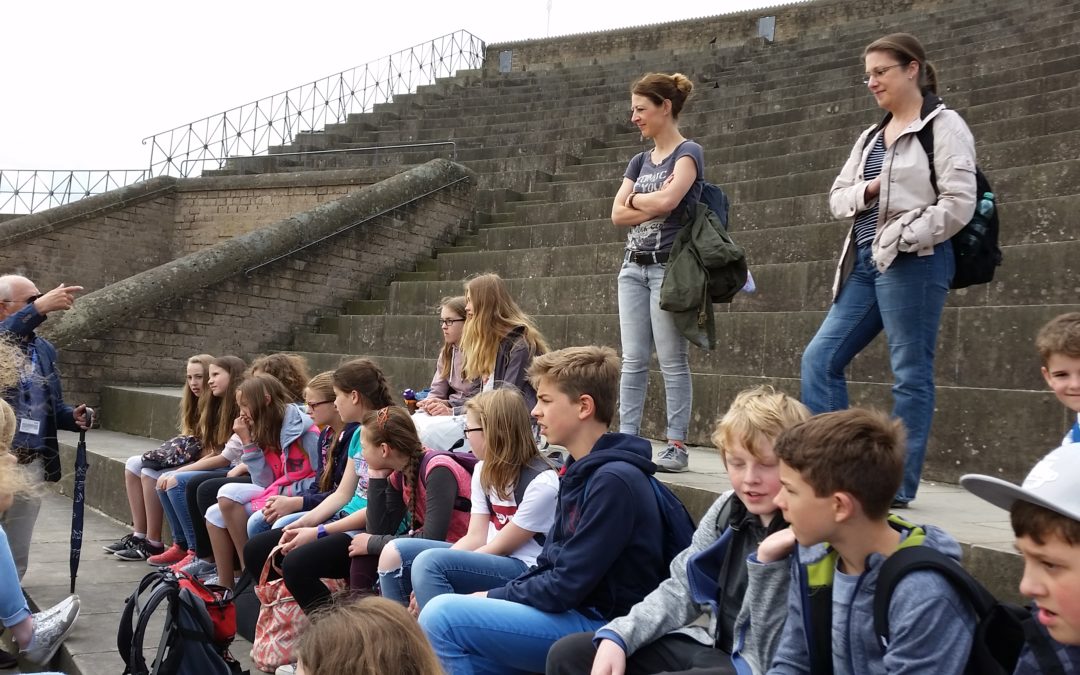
x=839 y=117
x=754 y=344
x=1023 y=222
x=965 y=438
x=1029 y=271
x=982 y=529
x=710 y=104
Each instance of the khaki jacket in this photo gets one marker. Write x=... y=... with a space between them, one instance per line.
x=911 y=217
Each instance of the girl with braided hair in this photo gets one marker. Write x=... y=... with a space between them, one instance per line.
x=316 y=546
x=413 y=492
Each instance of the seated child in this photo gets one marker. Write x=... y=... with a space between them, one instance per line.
x=1058 y=343
x=1045 y=514
x=602 y=554
x=839 y=473
x=280 y=451
x=502 y=541
x=449 y=389
x=370 y=636
x=739 y=613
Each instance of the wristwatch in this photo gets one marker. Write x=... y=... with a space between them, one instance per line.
x=321 y=530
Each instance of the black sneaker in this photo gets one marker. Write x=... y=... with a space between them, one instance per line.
x=140 y=551
x=125 y=542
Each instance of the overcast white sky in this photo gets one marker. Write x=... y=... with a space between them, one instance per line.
x=85 y=81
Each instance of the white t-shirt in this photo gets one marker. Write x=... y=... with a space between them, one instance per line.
x=536 y=513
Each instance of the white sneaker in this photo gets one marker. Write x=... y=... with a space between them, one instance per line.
x=51 y=628
x=673 y=459
x=287 y=669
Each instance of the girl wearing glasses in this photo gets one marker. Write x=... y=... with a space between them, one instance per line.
x=316 y=546
x=449 y=389
x=280 y=510
x=897 y=262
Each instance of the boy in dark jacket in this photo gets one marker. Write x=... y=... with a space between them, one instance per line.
x=602 y=555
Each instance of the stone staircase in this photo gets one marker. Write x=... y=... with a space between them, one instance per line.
x=776 y=120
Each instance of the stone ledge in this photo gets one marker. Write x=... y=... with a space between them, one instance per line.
x=101 y=310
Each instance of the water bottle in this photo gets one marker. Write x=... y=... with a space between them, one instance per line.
x=986 y=205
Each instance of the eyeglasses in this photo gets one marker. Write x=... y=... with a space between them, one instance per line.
x=28 y=301
x=469 y=430
x=877 y=73
x=446 y=323
x=313 y=406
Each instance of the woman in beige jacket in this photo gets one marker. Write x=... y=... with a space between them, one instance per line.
x=897 y=262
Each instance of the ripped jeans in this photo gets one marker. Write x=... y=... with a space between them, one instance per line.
x=430 y=568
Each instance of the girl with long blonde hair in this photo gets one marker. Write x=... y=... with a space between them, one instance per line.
x=514 y=492
x=499 y=340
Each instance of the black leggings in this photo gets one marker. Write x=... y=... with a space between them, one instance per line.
x=201 y=495
x=303 y=568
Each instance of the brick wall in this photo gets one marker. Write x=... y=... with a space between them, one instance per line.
x=248 y=315
x=94 y=242
x=209 y=211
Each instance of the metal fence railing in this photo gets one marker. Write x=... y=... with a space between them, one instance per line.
x=252 y=128
x=28 y=191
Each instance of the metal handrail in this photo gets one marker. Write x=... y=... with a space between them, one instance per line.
x=251 y=129
x=25 y=191
x=370 y=148
x=248 y=272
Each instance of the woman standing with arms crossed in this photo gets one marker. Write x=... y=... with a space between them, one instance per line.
x=897 y=262
x=657 y=188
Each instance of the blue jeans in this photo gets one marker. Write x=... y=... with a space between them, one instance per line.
x=174 y=504
x=430 y=568
x=257 y=522
x=906 y=301
x=641 y=323
x=13 y=608
x=482 y=635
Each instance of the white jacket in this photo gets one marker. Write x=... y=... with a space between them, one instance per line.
x=911 y=217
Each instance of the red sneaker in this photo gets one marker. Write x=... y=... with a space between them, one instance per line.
x=187 y=560
x=171 y=555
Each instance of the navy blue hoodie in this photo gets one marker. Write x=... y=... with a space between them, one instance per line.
x=603 y=554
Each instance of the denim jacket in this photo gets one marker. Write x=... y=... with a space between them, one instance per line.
x=20 y=326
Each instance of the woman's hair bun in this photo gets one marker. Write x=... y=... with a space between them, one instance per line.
x=682 y=83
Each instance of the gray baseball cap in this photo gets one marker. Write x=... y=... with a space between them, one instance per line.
x=1054 y=483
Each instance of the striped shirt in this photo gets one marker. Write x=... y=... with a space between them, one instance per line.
x=866 y=222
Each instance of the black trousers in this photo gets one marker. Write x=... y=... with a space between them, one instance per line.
x=670 y=655
x=303 y=568
x=201 y=495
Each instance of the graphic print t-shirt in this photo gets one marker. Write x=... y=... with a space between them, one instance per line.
x=659 y=233
x=535 y=513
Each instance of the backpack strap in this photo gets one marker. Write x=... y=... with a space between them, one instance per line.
x=915 y=558
x=1041 y=647
x=528 y=473
x=461 y=502
x=127 y=633
x=926 y=140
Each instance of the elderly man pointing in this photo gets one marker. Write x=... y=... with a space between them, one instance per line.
x=37 y=400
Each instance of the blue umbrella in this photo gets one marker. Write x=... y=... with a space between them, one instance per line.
x=78 y=500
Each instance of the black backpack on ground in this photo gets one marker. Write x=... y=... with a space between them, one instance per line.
x=975 y=247
x=1001 y=629
x=200 y=623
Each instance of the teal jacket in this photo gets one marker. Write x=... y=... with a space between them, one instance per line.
x=705 y=266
